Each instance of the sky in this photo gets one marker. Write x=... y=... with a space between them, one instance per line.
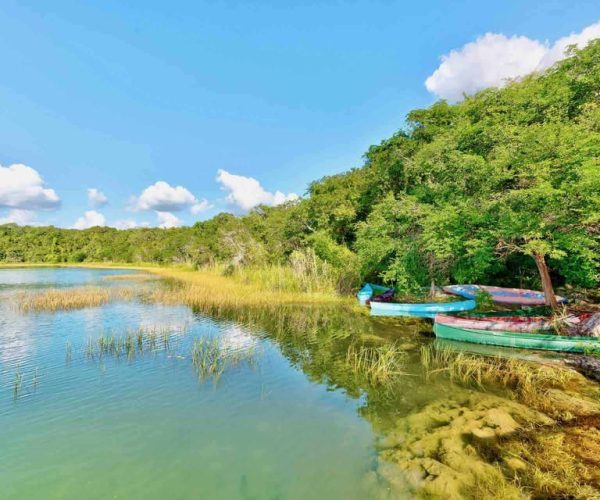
x=165 y=113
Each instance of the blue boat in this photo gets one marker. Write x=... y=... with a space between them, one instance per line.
x=426 y=310
x=370 y=291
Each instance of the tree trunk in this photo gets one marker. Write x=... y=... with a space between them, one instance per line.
x=432 y=290
x=540 y=261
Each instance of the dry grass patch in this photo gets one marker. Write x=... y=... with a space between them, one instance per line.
x=209 y=291
x=130 y=277
x=67 y=299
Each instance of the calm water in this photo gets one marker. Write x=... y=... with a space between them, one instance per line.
x=286 y=419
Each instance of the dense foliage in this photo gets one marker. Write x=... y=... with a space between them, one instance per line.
x=471 y=192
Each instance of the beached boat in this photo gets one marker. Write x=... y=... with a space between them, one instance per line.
x=446 y=328
x=508 y=321
x=370 y=291
x=425 y=310
x=508 y=296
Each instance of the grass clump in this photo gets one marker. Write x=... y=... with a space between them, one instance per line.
x=379 y=365
x=130 y=277
x=211 y=292
x=530 y=381
x=210 y=359
x=63 y=299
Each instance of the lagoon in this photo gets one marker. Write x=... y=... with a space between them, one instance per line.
x=138 y=398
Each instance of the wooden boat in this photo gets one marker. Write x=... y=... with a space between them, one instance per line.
x=445 y=328
x=508 y=321
x=370 y=291
x=508 y=296
x=425 y=310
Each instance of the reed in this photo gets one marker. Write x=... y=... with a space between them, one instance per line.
x=379 y=365
x=211 y=360
x=130 y=277
x=63 y=299
x=210 y=291
x=530 y=381
x=68 y=352
x=17 y=383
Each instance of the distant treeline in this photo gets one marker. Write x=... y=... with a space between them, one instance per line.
x=479 y=191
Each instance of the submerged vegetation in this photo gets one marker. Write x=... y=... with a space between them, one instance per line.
x=501 y=188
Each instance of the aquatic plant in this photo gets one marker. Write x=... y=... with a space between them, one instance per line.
x=378 y=364
x=62 y=299
x=68 y=352
x=17 y=383
x=210 y=359
x=529 y=381
x=130 y=277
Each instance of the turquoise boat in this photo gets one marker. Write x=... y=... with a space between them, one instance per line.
x=367 y=292
x=545 y=341
x=426 y=310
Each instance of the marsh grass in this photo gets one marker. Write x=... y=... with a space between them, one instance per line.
x=211 y=360
x=530 y=381
x=63 y=299
x=211 y=292
x=17 y=383
x=379 y=365
x=130 y=277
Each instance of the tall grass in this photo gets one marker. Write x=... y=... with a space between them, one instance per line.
x=379 y=365
x=55 y=299
x=210 y=359
x=530 y=381
x=208 y=290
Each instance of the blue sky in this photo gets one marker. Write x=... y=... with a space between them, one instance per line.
x=205 y=95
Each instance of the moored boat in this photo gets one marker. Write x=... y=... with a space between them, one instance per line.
x=507 y=321
x=508 y=296
x=449 y=330
x=370 y=291
x=424 y=310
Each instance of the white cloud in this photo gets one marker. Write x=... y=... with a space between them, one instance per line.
x=19 y=216
x=129 y=224
x=96 y=198
x=91 y=218
x=247 y=193
x=22 y=187
x=167 y=219
x=493 y=59
x=200 y=206
x=162 y=197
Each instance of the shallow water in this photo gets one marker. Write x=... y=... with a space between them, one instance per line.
x=287 y=418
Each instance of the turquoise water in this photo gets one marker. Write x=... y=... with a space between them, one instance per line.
x=77 y=424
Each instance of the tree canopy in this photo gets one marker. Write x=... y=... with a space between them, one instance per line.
x=479 y=191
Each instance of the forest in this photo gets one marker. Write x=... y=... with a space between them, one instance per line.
x=494 y=189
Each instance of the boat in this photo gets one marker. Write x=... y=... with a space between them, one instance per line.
x=507 y=296
x=370 y=291
x=446 y=328
x=424 y=310
x=508 y=321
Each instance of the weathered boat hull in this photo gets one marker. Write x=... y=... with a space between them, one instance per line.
x=368 y=291
x=545 y=342
x=428 y=310
x=508 y=296
x=506 y=322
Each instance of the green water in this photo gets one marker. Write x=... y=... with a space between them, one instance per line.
x=288 y=419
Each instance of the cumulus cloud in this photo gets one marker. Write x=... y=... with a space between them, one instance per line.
x=91 y=218
x=21 y=187
x=19 y=216
x=167 y=220
x=247 y=193
x=129 y=224
x=163 y=197
x=96 y=198
x=493 y=59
